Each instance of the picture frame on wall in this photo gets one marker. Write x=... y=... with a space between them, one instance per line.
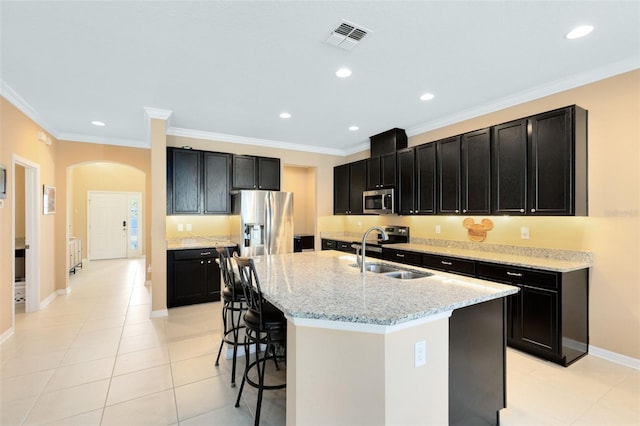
x=49 y=199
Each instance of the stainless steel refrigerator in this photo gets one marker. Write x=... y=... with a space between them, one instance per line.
x=262 y=222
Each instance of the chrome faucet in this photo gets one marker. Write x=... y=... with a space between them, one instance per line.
x=363 y=249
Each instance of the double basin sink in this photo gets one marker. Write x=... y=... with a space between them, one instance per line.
x=393 y=272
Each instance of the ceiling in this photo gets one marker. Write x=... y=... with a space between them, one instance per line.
x=227 y=69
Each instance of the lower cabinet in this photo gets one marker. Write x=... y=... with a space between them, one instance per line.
x=337 y=245
x=548 y=317
x=193 y=276
x=401 y=256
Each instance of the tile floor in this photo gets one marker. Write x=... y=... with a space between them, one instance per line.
x=94 y=357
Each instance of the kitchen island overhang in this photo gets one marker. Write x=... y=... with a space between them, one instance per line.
x=352 y=336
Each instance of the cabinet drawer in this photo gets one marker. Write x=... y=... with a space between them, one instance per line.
x=449 y=264
x=518 y=275
x=407 y=257
x=194 y=254
x=344 y=246
x=329 y=245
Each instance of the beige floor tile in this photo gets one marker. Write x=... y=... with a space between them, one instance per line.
x=192 y=348
x=75 y=355
x=92 y=418
x=77 y=374
x=152 y=410
x=24 y=386
x=140 y=342
x=154 y=326
x=95 y=337
x=18 y=366
x=196 y=369
x=228 y=416
x=140 y=360
x=139 y=383
x=206 y=395
x=103 y=323
x=69 y=402
x=15 y=412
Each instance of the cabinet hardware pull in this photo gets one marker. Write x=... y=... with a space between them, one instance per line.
x=410 y=211
x=533 y=210
x=514 y=274
x=464 y=210
x=457 y=211
x=446 y=263
x=521 y=210
x=206 y=253
x=399 y=255
x=202 y=262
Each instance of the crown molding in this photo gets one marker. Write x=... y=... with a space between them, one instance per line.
x=77 y=137
x=18 y=101
x=538 y=92
x=158 y=113
x=220 y=137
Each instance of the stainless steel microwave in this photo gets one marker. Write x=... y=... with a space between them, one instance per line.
x=379 y=201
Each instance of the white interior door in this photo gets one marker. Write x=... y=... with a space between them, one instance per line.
x=107 y=222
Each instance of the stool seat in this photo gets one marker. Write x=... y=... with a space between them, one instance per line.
x=272 y=318
x=233 y=292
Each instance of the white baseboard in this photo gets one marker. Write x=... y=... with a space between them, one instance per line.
x=147 y=283
x=160 y=313
x=627 y=361
x=4 y=336
x=64 y=291
x=48 y=300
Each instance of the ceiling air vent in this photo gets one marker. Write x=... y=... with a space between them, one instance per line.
x=347 y=35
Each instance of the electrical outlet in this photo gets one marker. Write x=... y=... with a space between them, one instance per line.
x=437 y=229
x=420 y=353
x=524 y=233
x=180 y=227
x=188 y=227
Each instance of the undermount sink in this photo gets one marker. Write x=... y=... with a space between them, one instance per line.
x=390 y=271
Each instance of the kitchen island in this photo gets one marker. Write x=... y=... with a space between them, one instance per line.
x=351 y=338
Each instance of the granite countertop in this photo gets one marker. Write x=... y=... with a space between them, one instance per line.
x=323 y=285
x=554 y=260
x=198 y=242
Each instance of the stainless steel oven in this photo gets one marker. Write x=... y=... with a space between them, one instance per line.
x=379 y=201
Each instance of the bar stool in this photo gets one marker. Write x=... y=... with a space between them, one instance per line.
x=233 y=304
x=266 y=326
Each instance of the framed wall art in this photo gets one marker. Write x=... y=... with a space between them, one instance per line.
x=49 y=199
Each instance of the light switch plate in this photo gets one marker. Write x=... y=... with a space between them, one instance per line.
x=437 y=229
x=524 y=233
x=180 y=227
x=420 y=353
x=188 y=227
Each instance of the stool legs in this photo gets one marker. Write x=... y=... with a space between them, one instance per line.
x=229 y=312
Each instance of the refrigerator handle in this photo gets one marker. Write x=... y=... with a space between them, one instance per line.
x=268 y=212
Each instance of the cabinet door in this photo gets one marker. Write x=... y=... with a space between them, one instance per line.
x=186 y=181
x=374 y=178
x=406 y=181
x=216 y=183
x=476 y=172
x=448 y=175
x=341 y=189
x=212 y=280
x=551 y=163
x=269 y=173
x=358 y=181
x=388 y=170
x=426 y=178
x=328 y=244
x=188 y=282
x=538 y=325
x=509 y=167
x=244 y=172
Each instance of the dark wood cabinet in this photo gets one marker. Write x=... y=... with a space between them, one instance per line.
x=381 y=171
x=448 y=175
x=402 y=256
x=417 y=180
x=193 y=276
x=343 y=246
x=250 y=172
x=197 y=182
x=406 y=192
x=548 y=317
x=475 y=158
x=509 y=167
x=349 y=181
x=449 y=264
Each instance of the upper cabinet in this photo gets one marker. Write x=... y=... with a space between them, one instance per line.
x=417 y=180
x=448 y=175
x=381 y=171
x=250 y=172
x=540 y=164
x=197 y=182
x=349 y=181
x=475 y=165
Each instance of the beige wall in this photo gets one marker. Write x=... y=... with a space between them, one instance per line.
x=301 y=181
x=19 y=136
x=99 y=176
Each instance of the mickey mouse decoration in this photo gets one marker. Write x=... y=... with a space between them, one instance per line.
x=477 y=231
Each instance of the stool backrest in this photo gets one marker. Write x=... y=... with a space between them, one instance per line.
x=225 y=266
x=250 y=284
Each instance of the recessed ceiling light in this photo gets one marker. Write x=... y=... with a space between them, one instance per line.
x=427 y=97
x=343 y=72
x=580 y=31
x=97 y=123
x=285 y=115
x=354 y=128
